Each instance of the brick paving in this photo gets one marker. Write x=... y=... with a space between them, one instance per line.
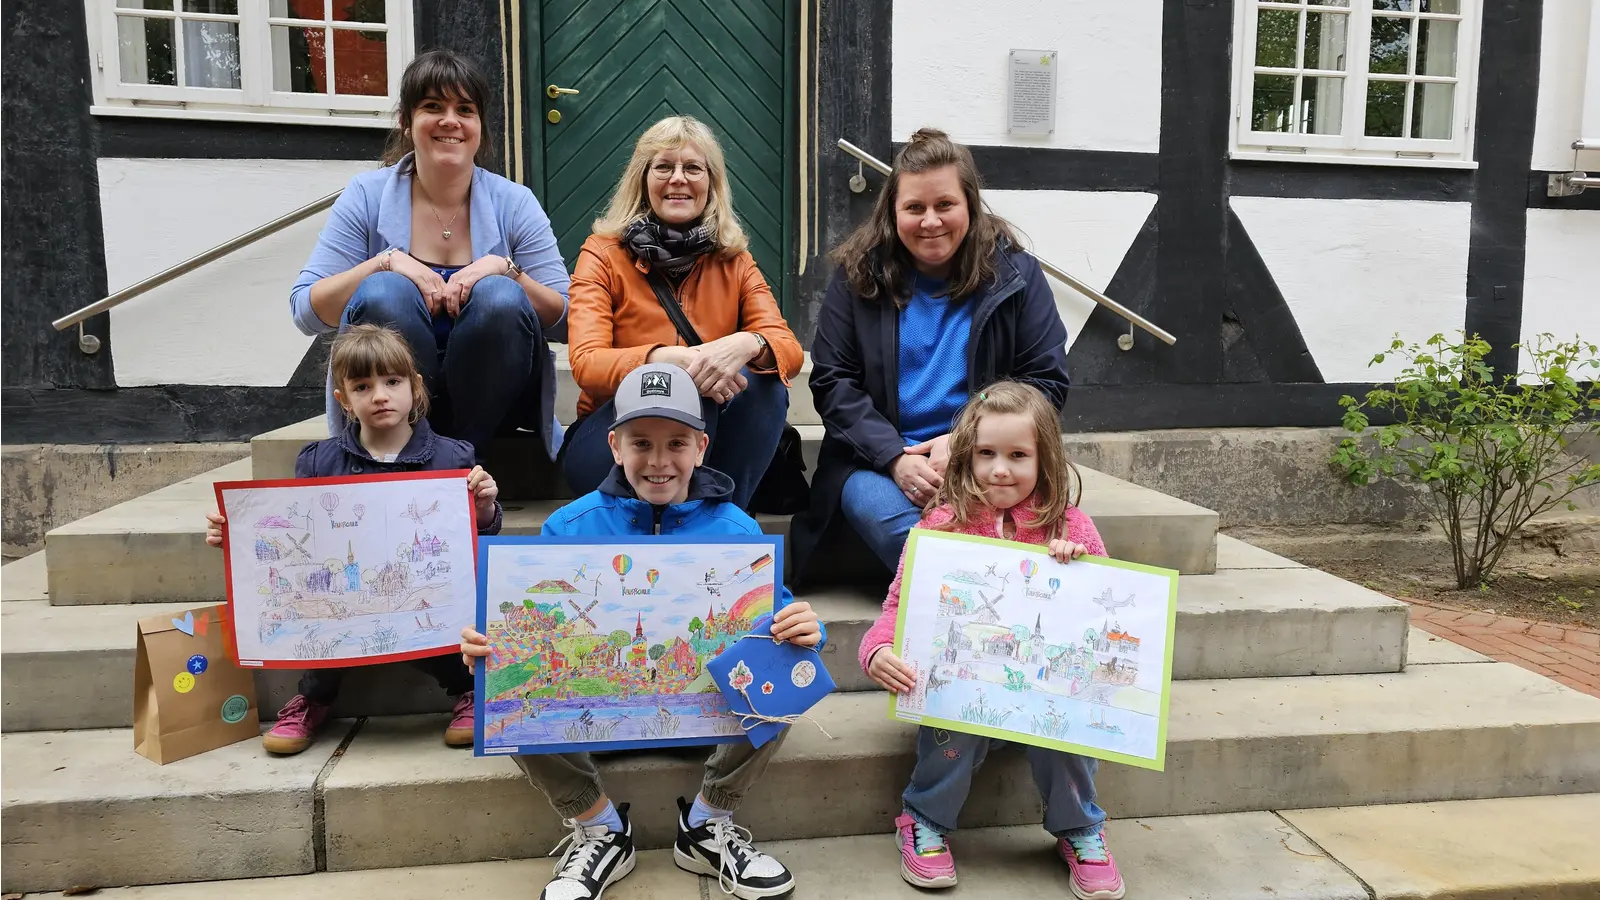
x=1566 y=653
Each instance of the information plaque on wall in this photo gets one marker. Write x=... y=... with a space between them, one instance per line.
x=1031 y=82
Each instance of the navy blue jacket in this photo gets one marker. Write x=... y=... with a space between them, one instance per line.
x=855 y=380
x=427 y=451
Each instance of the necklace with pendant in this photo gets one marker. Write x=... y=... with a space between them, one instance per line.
x=444 y=226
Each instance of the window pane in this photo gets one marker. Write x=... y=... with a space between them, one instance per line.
x=1272 y=107
x=1322 y=105
x=1386 y=108
x=211 y=54
x=1330 y=2
x=296 y=9
x=1275 y=38
x=1436 y=46
x=1441 y=6
x=1433 y=111
x=216 y=7
x=299 y=60
x=144 y=51
x=1325 y=40
x=145 y=4
x=358 y=11
x=360 y=62
x=1391 y=45
x=1393 y=5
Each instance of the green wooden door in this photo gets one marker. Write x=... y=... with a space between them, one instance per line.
x=633 y=62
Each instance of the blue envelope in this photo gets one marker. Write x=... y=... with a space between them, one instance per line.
x=780 y=679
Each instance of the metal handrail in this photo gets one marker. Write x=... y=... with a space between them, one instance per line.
x=88 y=343
x=1050 y=268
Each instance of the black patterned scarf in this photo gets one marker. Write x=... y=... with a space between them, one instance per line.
x=669 y=248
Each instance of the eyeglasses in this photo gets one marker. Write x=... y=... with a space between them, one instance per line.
x=691 y=171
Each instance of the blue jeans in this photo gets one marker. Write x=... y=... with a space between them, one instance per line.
x=744 y=436
x=946 y=761
x=482 y=371
x=879 y=512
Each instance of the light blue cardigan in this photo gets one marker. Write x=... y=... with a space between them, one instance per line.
x=374 y=214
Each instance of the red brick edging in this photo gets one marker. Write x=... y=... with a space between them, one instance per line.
x=1566 y=653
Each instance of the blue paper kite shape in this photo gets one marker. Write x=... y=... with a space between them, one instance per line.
x=760 y=675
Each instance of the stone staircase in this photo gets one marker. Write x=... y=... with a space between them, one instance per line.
x=1301 y=724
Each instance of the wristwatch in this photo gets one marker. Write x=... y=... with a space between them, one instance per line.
x=761 y=345
x=512 y=269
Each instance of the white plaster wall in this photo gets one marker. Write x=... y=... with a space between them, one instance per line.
x=1085 y=233
x=1564 y=66
x=226 y=323
x=1355 y=272
x=1562 y=280
x=950 y=60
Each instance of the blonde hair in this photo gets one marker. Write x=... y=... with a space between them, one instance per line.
x=367 y=351
x=631 y=200
x=1059 y=487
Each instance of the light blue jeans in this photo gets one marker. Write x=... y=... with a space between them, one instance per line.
x=946 y=761
x=879 y=513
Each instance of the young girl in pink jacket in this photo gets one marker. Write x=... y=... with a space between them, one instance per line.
x=1008 y=477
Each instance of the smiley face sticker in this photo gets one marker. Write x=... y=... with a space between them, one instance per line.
x=183 y=682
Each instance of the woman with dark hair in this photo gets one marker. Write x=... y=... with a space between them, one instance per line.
x=460 y=261
x=933 y=299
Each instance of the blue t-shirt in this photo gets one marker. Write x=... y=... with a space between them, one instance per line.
x=934 y=332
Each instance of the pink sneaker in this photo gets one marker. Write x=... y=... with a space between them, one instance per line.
x=1094 y=872
x=925 y=859
x=459 y=734
x=297 y=726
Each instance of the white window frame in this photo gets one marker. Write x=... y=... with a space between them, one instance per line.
x=1352 y=145
x=255 y=100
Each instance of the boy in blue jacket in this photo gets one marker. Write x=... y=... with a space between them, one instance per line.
x=660 y=486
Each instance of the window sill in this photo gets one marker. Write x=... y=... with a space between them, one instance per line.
x=272 y=116
x=1343 y=160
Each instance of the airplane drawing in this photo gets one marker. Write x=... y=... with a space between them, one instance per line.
x=1110 y=603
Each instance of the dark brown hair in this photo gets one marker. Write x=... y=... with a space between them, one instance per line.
x=372 y=351
x=878 y=265
x=1059 y=486
x=443 y=74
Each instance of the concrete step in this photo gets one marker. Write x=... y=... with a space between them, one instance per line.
x=1259 y=615
x=1305 y=855
x=152 y=549
x=80 y=807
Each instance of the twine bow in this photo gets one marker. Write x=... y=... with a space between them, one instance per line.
x=753 y=718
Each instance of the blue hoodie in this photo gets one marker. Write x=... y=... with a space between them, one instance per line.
x=615 y=509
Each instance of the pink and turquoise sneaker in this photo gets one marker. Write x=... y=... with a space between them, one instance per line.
x=459 y=734
x=297 y=726
x=925 y=859
x=1094 y=872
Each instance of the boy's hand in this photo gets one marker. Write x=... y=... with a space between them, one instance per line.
x=1066 y=551
x=797 y=623
x=890 y=672
x=473 y=645
x=484 y=490
x=214 y=523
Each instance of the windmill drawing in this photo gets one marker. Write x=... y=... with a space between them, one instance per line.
x=987 y=614
x=582 y=620
x=300 y=546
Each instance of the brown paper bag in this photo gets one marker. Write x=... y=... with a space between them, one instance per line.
x=188 y=695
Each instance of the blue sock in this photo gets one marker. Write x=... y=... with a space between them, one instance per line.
x=702 y=812
x=607 y=817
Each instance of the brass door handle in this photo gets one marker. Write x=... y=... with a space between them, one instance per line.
x=554 y=93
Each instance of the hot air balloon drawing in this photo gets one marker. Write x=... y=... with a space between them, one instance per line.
x=329 y=502
x=652 y=576
x=1055 y=585
x=622 y=563
x=1029 y=568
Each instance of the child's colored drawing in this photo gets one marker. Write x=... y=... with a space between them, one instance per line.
x=1009 y=643
x=333 y=572
x=602 y=643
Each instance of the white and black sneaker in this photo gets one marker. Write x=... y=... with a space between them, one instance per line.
x=596 y=858
x=723 y=851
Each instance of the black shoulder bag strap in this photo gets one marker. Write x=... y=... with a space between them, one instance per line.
x=680 y=321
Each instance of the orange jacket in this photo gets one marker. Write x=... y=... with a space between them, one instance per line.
x=614 y=319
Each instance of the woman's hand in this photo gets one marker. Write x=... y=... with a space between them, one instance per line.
x=473 y=646
x=214 y=523
x=797 y=624
x=427 y=280
x=672 y=354
x=915 y=476
x=1066 y=551
x=484 y=491
x=716 y=365
x=458 y=290
x=937 y=451
x=890 y=672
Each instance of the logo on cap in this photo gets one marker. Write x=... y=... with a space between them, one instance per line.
x=655 y=384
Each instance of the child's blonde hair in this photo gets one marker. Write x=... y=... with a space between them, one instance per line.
x=1059 y=486
x=367 y=351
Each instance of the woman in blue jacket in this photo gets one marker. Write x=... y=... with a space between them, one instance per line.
x=933 y=300
x=460 y=261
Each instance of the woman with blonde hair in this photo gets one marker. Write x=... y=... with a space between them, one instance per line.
x=666 y=278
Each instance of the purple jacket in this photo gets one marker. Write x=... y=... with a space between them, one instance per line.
x=427 y=451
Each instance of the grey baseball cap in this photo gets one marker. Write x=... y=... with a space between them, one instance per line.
x=660 y=391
